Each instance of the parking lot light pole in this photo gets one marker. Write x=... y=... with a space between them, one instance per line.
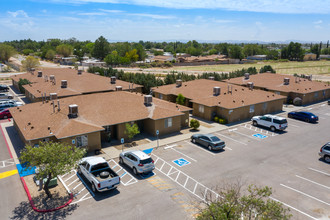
x=122 y=144
x=157 y=132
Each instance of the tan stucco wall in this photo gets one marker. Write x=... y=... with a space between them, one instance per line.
x=207 y=112
x=94 y=141
x=185 y=120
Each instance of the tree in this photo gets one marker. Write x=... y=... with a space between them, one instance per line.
x=30 y=62
x=253 y=204
x=101 y=48
x=132 y=55
x=235 y=52
x=112 y=59
x=64 y=49
x=52 y=159
x=6 y=52
x=50 y=54
x=22 y=82
x=131 y=130
x=194 y=123
x=180 y=99
x=315 y=49
x=27 y=52
x=267 y=68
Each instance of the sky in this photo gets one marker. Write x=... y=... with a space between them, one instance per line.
x=166 y=20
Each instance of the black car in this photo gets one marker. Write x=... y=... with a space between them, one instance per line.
x=4 y=88
x=329 y=102
x=208 y=140
x=304 y=116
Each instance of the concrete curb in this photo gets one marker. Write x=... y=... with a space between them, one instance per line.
x=43 y=211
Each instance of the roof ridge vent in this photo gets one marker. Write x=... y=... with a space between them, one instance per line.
x=250 y=85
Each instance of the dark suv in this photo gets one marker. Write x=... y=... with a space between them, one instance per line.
x=4 y=88
x=325 y=152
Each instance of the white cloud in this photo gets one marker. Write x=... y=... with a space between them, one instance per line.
x=17 y=14
x=278 y=6
x=153 y=16
x=111 y=11
x=318 y=22
x=92 y=13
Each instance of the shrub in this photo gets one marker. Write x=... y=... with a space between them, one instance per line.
x=22 y=82
x=194 y=123
x=297 y=101
x=222 y=121
x=216 y=119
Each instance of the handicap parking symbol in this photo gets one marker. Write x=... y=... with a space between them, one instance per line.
x=181 y=162
x=260 y=136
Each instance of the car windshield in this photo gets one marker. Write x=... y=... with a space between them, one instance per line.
x=282 y=121
x=145 y=161
x=214 y=138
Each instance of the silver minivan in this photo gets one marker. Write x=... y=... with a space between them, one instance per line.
x=139 y=161
x=325 y=152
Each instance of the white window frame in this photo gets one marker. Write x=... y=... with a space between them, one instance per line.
x=265 y=105
x=201 y=108
x=168 y=122
x=251 y=108
x=82 y=141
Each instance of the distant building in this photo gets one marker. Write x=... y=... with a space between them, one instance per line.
x=257 y=57
x=310 y=56
x=324 y=56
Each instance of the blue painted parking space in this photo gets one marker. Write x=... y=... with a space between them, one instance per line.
x=148 y=151
x=181 y=162
x=260 y=136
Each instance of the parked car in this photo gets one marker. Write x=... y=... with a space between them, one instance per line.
x=325 y=152
x=138 y=161
x=11 y=101
x=4 y=95
x=9 y=104
x=329 y=102
x=4 y=88
x=5 y=114
x=98 y=172
x=305 y=116
x=208 y=140
x=270 y=121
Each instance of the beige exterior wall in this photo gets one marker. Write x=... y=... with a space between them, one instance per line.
x=185 y=120
x=207 y=114
x=94 y=141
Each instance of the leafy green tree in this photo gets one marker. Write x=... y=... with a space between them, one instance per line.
x=6 y=51
x=30 y=62
x=64 y=49
x=140 y=51
x=293 y=51
x=235 y=52
x=22 y=82
x=272 y=55
x=101 y=48
x=131 y=130
x=52 y=159
x=194 y=124
x=50 y=54
x=254 y=204
x=180 y=99
x=267 y=68
x=112 y=59
x=89 y=47
x=315 y=49
x=27 y=52
x=132 y=55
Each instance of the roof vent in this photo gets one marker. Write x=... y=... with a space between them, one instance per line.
x=178 y=82
x=250 y=85
x=286 y=81
x=216 y=91
x=79 y=72
x=113 y=80
x=32 y=70
x=64 y=83
x=119 y=88
x=39 y=73
x=53 y=96
x=211 y=78
x=309 y=77
x=51 y=78
x=73 y=111
x=147 y=100
x=246 y=76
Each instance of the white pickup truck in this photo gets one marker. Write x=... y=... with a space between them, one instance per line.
x=98 y=173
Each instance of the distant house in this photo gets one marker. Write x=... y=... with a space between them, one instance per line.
x=324 y=56
x=93 y=62
x=310 y=56
x=289 y=86
x=210 y=98
x=87 y=120
x=65 y=82
x=257 y=57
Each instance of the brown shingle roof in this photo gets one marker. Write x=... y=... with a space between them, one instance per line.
x=38 y=120
x=201 y=91
x=275 y=82
x=77 y=84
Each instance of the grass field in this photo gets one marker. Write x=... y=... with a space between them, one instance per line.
x=308 y=67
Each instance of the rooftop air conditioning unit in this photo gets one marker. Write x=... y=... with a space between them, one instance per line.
x=53 y=96
x=119 y=88
x=250 y=85
x=79 y=72
x=113 y=80
x=286 y=81
x=51 y=78
x=64 y=83
x=39 y=73
x=246 y=76
x=147 y=100
x=211 y=78
x=178 y=82
x=216 y=91
x=73 y=111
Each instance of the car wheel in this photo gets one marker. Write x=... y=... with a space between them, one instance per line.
x=272 y=128
x=193 y=140
x=121 y=160
x=290 y=116
x=79 y=171
x=209 y=147
x=306 y=120
x=135 y=171
x=255 y=123
x=327 y=159
x=93 y=188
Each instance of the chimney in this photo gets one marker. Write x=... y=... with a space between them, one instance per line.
x=64 y=83
x=310 y=77
x=246 y=76
x=39 y=73
x=148 y=100
x=73 y=111
x=79 y=72
x=119 y=88
x=216 y=91
x=53 y=96
x=250 y=85
x=286 y=81
x=113 y=80
x=211 y=78
x=178 y=82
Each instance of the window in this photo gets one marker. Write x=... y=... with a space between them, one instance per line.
x=264 y=106
x=160 y=96
x=266 y=119
x=282 y=121
x=168 y=122
x=82 y=141
x=323 y=92
x=278 y=93
x=316 y=94
x=251 y=108
x=201 y=108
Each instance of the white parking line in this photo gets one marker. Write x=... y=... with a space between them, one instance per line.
x=231 y=138
x=309 y=108
x=171 y=146
x=327 y=187
x=200 y=148
x=293 y=208
x=294 y=125
x=319 y=171
x=7 y=163
x=184 y=154
x=246 y=135
x=305 y=194
x=322 y=105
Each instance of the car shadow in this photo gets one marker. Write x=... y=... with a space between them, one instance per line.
x=321 y=159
